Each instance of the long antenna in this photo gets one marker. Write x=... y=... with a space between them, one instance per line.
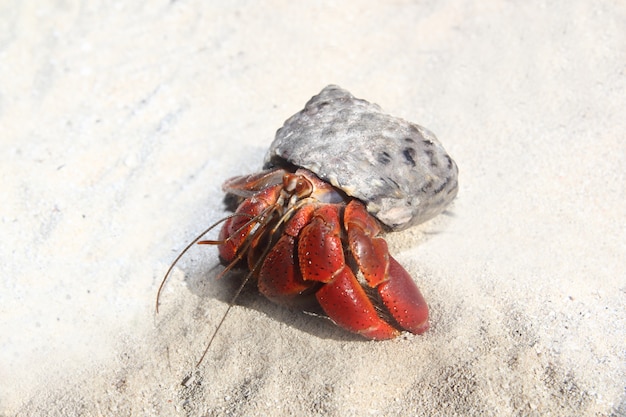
x=180 y=255
x=249 y=239
x=262 y=220
x=219 y=325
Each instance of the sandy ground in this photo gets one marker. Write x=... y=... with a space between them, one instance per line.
x=120 y=120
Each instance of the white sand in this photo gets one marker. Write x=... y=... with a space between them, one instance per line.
x=119 y=123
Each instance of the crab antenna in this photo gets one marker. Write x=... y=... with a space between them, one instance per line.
x=243 y=283
x=232 y=301
x=219 y=325
x=180 y=255
x=268 y=212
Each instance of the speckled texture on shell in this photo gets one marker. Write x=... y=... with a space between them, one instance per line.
x=398 y=169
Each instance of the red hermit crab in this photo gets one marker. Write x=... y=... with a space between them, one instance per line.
x=308 y=227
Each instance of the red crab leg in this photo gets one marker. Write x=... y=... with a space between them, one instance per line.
x=237 y=229
x=280 y=279
x=248 y=185
x=321 y=259
x=395 y=286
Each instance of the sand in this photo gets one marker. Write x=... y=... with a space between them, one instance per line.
x=119 y=122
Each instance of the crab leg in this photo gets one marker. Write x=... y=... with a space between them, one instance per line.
x=236 y=230
x=381 y=271
x=279 y=278
x=321 y=259
x=249 y=185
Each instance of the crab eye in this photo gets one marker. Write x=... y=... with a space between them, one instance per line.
x=297 y=185
x=304 y=188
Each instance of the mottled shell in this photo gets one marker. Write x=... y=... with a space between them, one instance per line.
x=398 y=169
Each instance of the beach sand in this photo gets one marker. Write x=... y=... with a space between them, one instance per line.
x=120 y=121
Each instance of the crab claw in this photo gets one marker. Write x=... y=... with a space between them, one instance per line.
x=403 y=299
x=381 y=271
x=321 y=258
x=345 y=301
x=295 y=269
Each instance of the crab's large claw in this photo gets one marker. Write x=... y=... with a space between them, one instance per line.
x=381 y=271
x=321 y=259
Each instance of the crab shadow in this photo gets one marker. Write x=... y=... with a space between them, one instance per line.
x=206 y=284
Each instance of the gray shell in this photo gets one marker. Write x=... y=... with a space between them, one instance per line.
x=398 y=169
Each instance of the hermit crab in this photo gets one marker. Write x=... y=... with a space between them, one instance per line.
x=338 y=174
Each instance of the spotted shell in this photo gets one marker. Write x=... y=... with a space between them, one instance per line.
x=398 y=169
